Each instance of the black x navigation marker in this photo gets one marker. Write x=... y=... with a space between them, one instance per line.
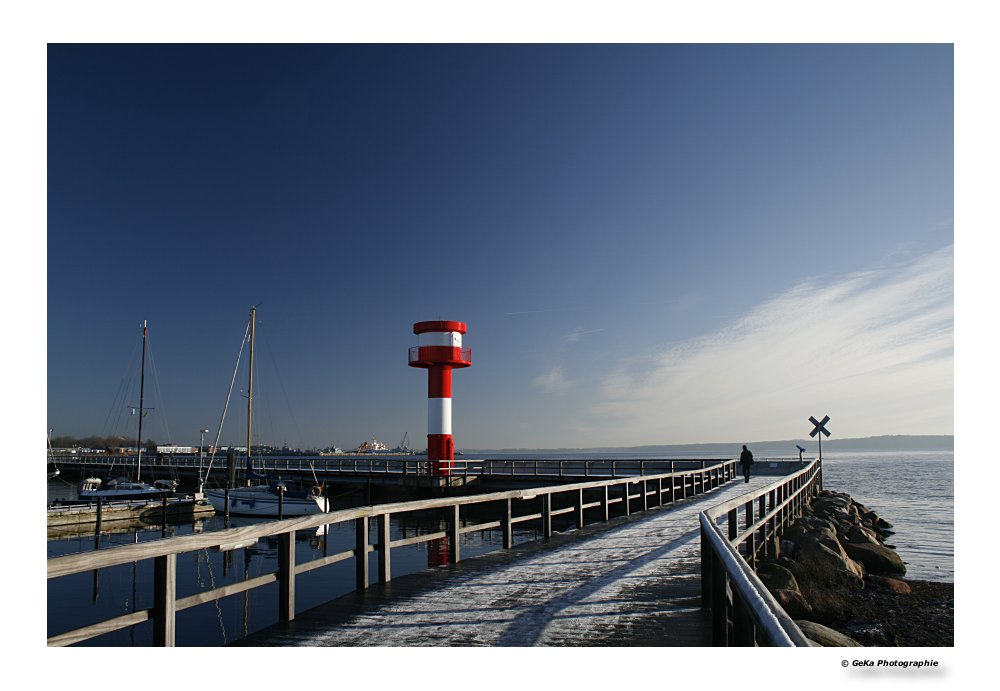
x=820 y=426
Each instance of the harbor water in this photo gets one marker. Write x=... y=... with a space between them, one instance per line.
x=912 y=490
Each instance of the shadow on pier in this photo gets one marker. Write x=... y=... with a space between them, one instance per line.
x=634 y=581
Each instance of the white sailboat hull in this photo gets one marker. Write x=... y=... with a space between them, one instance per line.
x=92 y=489
x=248 y=501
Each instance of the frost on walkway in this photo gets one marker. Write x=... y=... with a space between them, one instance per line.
x=633 y=584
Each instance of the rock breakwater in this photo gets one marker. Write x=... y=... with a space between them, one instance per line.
x=843 y=583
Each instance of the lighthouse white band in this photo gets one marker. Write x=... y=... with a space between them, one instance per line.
x=438 y=416
x=451 y=339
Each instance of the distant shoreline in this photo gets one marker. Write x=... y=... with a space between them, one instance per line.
x=899 y=442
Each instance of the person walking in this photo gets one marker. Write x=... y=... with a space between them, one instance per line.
x=746 y=460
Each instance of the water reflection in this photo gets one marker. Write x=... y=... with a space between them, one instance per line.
x=127 y=588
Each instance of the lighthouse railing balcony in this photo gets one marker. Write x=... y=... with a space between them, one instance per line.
x=459 y=356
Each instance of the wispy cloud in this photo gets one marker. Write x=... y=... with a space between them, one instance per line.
x=553 y=381
x=873 y=350
x=577 y=333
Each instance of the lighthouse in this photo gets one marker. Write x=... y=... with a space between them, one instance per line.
x=439 y=350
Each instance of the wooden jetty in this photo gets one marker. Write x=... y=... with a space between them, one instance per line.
x=628 y=572
x=92 y=513
x=635 y=581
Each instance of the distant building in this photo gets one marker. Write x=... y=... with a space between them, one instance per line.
x=176 y=449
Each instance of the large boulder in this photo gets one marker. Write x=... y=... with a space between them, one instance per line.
x=810 y=528
x=877 y=559
x=826 y=637
x=894 y=584
x=859 y=535
x=822 y=505
x=776 y=577
x=824 y=560
x=883 y=526
x=793 y=602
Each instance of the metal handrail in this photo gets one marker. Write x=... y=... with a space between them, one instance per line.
x=743 y=610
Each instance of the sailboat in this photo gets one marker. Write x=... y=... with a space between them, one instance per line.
x=93 y=488
x=52 y=461
x=263 y=498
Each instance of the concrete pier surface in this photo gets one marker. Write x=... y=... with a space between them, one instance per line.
x=635 y=581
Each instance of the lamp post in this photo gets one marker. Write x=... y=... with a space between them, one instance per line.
x=201 y=456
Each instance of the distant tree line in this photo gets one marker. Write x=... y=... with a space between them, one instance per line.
x=96 y=442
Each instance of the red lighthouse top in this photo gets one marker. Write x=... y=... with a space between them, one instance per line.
x=440 y=345
x=426 y=327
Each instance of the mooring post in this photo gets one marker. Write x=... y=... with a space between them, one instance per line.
x=547 y=515
x=579 y=508
x=281 y=501
x=100 y=514
x=605 y=504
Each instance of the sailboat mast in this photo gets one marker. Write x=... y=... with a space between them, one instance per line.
x=142 y=390
x=253 y=318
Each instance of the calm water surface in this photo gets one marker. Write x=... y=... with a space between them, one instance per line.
x=913 y=491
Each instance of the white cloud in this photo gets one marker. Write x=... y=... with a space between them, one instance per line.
x=553 y=381
x=873 y=350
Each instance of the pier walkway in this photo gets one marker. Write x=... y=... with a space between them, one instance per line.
x=635 y=581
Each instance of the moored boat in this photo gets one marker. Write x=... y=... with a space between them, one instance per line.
x=268 y=498
x=92 y=488
x=265 y=500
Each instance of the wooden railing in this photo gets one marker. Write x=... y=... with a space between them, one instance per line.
x=743 y=611
x=323 y=466
x=504 y=509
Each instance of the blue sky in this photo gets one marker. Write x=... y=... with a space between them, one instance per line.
x=649 y=243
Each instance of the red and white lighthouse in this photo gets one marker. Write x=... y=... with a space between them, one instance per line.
x=438 y=350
